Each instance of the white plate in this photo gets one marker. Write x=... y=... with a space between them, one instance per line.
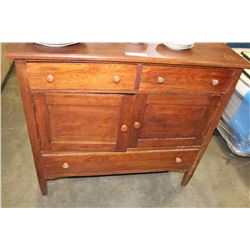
x=179 y=46
x=55 y=44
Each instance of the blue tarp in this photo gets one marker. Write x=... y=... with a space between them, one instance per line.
x=240 y=124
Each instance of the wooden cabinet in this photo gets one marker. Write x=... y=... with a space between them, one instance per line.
x=104 y=112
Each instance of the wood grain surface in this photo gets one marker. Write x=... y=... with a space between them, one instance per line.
x=87 y=122
x=184 y=78
x=202 y=54
x=87 y=164
x=81 y=76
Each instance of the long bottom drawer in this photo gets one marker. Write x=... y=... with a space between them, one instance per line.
x=90 y=164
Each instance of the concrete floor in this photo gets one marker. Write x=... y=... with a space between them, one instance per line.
x=221 y=180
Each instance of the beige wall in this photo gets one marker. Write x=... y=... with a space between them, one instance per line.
x=5 y=62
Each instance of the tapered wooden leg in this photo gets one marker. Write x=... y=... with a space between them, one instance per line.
x=186 y=178
x=43 y=185
x=40 y=175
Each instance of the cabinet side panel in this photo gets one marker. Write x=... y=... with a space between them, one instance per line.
x=30 y=121
x=214 y=121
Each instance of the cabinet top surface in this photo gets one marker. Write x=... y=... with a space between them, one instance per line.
x=202 y=54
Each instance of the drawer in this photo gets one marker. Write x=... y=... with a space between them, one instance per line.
x=90 y=164
x=185 y=78
x=78 y=76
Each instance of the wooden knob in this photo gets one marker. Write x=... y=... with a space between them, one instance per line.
x=215 y=82
x=65 y=165
x=116 y=79
x=178 y=160
x=50 y=78
x=136 y=125
x=124 y=128
x=160 y=80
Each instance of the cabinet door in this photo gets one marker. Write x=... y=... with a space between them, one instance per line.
x=163 y=120
x=86 y=122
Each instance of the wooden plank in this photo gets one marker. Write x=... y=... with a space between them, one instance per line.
x=182 y=98
x=138 y=76
x=126 y=115
x=42 y=121
x=138 y=115
x=86 y=146
x=104 y=100
x=203 y=54
x=166 y=142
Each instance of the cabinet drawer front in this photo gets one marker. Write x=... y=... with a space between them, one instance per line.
x=184 y=78
x=86 y=76
x=87 y=164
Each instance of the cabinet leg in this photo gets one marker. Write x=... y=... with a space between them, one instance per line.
x=186 y=178
x=43 y=185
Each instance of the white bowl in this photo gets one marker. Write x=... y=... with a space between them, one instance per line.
x=179 y=46
x=55 y=44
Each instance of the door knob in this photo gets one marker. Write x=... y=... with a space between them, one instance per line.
x=65 y=165
x=178 y=160
x=50 y=78
x=124 y=128
x=215 y=82
x=116 y=79
x=160 y=80
x=137 y=125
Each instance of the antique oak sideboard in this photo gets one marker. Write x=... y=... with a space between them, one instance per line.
x=118 y=108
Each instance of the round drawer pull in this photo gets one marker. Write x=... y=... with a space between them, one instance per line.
x=215 y=82
x=116 y=79
x=50 y=78
x=178 y=160
x=124 y=128
x=65 y=165
x=137 y=125
x=160 y=80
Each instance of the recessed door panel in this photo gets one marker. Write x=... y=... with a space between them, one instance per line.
x=172 y=120
x=86 y=122
x=83 y=123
